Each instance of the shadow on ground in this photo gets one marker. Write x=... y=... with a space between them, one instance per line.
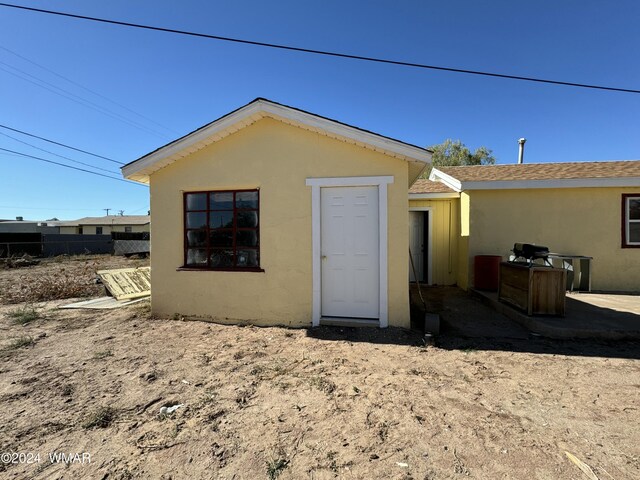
x=469 y=324
x=391 y=335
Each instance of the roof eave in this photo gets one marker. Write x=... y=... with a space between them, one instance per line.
x=553 y=183
x=433 y=195
x=139 y=170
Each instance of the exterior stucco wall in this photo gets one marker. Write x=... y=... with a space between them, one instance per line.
x=463 y=242
x=445 y=224
x=277 y=159
x=576 y=221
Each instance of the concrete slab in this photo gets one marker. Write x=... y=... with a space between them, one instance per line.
x=587 y=315
x=462 y=314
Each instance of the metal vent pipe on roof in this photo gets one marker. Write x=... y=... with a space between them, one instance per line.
x=521 y=149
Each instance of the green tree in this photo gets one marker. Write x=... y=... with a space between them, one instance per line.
x=452 y=153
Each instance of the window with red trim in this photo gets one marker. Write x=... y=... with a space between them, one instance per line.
x=631 y=220
x=221 y=230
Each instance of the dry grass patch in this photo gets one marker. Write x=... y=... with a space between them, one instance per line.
x=101 y=418
x=24 y=315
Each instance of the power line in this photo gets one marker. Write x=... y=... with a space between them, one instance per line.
x=56 y=154
x=322 y=52
x=49 y=208
x=76 y=98
x=69 y=166
x=86 y=88
x=61 y=144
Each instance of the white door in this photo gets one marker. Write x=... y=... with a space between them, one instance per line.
x=350 y=247
x=416 y=244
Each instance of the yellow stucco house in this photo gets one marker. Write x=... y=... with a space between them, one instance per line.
x=276 y=216
x=587 y=209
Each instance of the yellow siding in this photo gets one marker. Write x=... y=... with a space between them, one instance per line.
x=463 y=242
x=444 y=238
x=577 y=221
x=276 y=158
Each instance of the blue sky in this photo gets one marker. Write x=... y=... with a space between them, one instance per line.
x=180 y=83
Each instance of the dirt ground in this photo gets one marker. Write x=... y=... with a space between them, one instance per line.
x=288 y=404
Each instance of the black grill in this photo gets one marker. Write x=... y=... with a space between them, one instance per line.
x=530 y=252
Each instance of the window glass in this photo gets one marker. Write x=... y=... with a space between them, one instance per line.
x=222 y=219
x=221 y=258
x=196 y=201
x=221 y=230
x=248 y=258
x=247 y=200
x=247 y=219
x=196 y=257
x=197 y=238
x=221 y=238
x=247 y=238
x=221 y=201
x=634 y=208
x=197 y=220
x=634 y=232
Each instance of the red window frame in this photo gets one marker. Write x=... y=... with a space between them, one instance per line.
x=234 y=229
x=626 y=221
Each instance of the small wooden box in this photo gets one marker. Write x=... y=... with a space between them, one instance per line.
x=538 y=290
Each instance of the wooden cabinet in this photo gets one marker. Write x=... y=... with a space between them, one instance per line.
x=538 y=290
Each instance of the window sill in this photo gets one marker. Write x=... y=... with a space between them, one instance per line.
x=196 y=269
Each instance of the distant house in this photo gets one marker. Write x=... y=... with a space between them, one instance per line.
x=28 y=226
x=106 y=225
x=581 y=208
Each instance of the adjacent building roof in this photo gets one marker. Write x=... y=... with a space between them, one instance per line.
x=108 y=220
x=140 y=169
x=540 y=175
x=424 y=188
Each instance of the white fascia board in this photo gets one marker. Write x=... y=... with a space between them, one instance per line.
x=438 y=176
x=338 y=129
x=439 y=195
x=191 y=139
x=262 y=108
x=348 y=181
x=559 y=183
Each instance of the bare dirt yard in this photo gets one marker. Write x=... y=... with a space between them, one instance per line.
x=289 y=404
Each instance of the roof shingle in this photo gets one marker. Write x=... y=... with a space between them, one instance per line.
x=544 y=171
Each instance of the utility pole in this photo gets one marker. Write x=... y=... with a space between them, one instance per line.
x=107 y=210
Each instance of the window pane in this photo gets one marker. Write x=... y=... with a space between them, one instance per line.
x=197 y=238
x=221 y=258
x=221 y=201
x=221 y=238
x=221 y=219
x=247 y=238
x=247 y=219
x=634 y=232
x=197 y=220
x=247 y=200
x=196 y=201
x=634 y=208
x=248 y=258
x=197 y=257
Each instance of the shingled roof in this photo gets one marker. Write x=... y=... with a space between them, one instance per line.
x=423 y=185
x=624 y=173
